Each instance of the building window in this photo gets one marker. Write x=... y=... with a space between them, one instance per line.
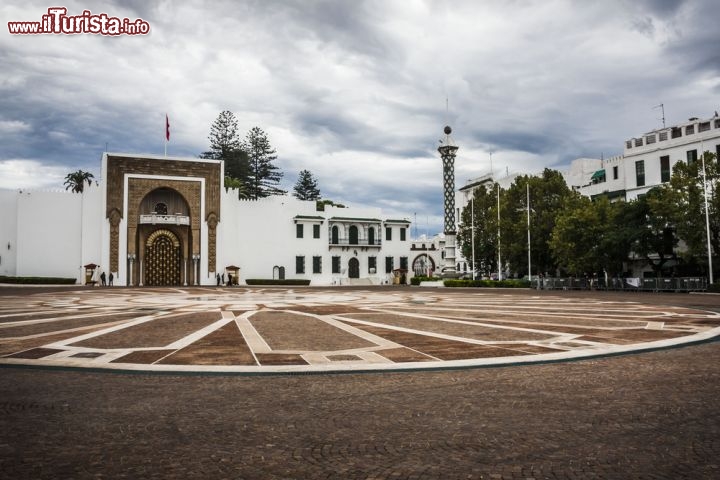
x=317 y=264
x=388 y=264
x=638 y=142
x=663 y=136
x=640 y=173
x=690 y=129
x=404 y=263
x=335 y=235
x=316 y=231
x=704 y=126
x=335 y=264
x=665 y=168
x=388 y=233
x=628 y=144
x=717 y=123
x=372 y=264
x=371 y=236
x=402 y=234
x=691 y=156
x=650 y=139
x=676 y=132
x=299 y=230
x=299 y=264
x=353 y=234
x=615 y=172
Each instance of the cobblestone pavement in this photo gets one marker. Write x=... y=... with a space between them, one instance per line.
x=649 y=415
x=336 y=329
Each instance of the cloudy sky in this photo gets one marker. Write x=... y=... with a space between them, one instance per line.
x=355 y=91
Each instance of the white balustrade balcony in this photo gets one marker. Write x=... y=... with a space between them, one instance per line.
x=157 y=219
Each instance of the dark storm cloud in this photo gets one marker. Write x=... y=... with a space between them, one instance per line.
x=355 y=91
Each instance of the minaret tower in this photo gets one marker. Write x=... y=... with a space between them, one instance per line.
x=447 y=153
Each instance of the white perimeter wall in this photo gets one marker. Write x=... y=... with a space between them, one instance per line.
x=44 y=232
x=8 y=231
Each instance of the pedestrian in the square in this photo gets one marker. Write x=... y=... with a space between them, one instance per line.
x=102 y=279
x=110 y=279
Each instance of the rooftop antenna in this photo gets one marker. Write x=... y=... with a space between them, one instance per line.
x=662 y=107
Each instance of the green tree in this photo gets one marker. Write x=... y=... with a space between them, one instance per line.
x=686 y=194
x=75 y=181
x=225 y=146
x=224 y=139
x=306 y=187
x=485 y=210
x=590 y=236
x=548 y=194
x=651 y=217
x=263 y=176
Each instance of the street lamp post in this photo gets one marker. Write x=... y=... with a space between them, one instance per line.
x=528 y=233
x=707 y=216
x=472 y=233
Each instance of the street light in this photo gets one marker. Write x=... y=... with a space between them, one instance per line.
x=707 y=214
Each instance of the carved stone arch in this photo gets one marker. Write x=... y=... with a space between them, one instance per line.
x=157 y=233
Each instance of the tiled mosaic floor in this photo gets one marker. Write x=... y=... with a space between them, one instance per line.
x=309 y=329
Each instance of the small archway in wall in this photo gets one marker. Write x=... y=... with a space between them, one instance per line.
x=371 y=236
x=335 y=235
x=423 y=265
x=354 y=268
x=278 y=273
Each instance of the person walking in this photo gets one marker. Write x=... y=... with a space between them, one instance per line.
x=110 y=279
x=102 y=279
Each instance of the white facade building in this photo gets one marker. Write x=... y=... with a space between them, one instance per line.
x=168 y=221
x=647 y=161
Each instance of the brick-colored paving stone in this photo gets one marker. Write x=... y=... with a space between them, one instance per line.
x=643 y=416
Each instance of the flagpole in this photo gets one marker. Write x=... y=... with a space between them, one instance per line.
x=707 y=215
x=167 y=132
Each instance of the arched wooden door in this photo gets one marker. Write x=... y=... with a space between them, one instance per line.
x=162 y=259
x=354 y=268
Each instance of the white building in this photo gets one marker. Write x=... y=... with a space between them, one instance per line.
x=647 y=161
x=168 y=221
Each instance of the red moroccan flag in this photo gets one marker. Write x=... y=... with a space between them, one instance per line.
x=167 y=128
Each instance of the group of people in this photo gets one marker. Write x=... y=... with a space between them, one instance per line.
x=104 y=280
x=221 y=279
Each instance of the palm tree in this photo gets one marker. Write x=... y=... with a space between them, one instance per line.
x=76 y=181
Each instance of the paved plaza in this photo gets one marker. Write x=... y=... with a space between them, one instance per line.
x=262 y=330
x=169 y=383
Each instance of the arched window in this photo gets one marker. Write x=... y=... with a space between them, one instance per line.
x=371 y=236
x=161 y=208
x=335 y=235
x=353 y=235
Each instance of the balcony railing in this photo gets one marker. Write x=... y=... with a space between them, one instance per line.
x=360 y=242
x=155 y=219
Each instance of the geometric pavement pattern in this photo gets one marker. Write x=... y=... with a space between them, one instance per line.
x=329 y=329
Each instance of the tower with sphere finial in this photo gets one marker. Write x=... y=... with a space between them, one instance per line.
x=447 y=151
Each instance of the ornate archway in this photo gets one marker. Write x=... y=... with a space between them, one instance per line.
x=162 y=259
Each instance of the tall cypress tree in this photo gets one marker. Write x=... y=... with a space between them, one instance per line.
x=225 y=146
x=263 y=176
x=306 y=187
